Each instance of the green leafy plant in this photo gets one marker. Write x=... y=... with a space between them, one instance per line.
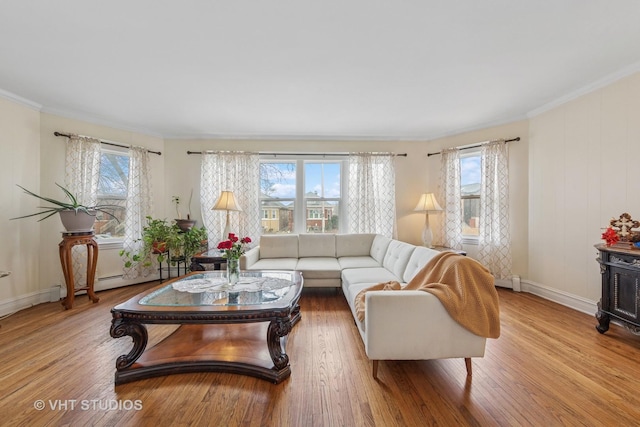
x=158 y=236
x=65 y=205
x=192 y=241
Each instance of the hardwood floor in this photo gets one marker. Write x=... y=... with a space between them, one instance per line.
x=549 y=367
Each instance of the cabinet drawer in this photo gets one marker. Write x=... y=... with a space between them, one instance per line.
x=623 y=260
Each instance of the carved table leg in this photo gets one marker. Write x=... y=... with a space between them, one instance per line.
x=277 y=329
x=603 y=319
x=67 y=270
x=137 y=332
x=92 y=263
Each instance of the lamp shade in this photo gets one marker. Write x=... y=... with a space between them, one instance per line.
x=226 y=202
x=427 y=203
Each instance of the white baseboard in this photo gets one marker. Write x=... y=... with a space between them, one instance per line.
x=563 y=298
x=13 y=305
x=118 y=282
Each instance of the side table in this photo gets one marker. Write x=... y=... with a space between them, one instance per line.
x=213 y=256
x=69 y=240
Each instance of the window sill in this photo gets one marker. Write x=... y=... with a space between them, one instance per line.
x=108 y=242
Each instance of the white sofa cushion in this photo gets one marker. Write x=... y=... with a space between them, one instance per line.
x=350 y=294
x=379 y=247
x=274 y=264
x=319 y=268
x=358 y=262
x=374 y=275
x=317 y=245
x=419 y=258
x=397 y=257
x=278 y=246
x=354 y=245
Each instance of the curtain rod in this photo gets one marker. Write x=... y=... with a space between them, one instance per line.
x=262 y=153
x=477 y=145
x=114 y=144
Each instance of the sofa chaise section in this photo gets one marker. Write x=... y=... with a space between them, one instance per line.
x=398 y=324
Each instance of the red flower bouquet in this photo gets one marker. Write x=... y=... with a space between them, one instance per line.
x=234 y=247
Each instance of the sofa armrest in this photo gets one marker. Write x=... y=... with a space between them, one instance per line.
x=414 y=325
x=249 y=258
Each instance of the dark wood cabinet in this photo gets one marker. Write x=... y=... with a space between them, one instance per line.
x=620 y=269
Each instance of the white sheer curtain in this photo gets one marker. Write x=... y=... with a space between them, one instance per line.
x=82 y=173
x=371 y=194
x=138 y=206
x=450 y=196
x=494 y=245
x=232 y=171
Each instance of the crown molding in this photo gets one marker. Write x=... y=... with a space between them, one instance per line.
x=99 y=121
x=20 y=100
x=598 y=84
x=294 y=137
x=356 y=138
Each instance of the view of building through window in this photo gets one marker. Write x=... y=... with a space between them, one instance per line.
x=322 y=196
x=112 y=190
x=470 y=180
x=290 y=185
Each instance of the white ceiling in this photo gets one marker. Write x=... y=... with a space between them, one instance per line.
x=353 y=69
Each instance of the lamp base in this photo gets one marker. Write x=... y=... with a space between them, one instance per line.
x=227 y=228
x=427 y=234
x=427 y=238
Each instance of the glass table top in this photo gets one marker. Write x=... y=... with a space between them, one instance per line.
x=211 y=289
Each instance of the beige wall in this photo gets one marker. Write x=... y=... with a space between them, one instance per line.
x=19 y=164
x=583 y=171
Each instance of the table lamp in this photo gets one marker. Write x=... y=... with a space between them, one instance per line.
x=427 y=204
x=226 y=202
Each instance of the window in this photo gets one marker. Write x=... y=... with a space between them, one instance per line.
x=303 y=196
x=470 y=181
x=112 y=190
x=322 y=196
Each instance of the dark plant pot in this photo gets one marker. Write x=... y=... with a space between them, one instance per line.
x=78 y=222
x=185 y=224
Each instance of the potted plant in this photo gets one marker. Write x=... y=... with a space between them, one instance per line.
x=75 y=216
x=158 y=237
x=192 y=241
x=183 y=224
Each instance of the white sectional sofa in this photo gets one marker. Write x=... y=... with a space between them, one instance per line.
x=398 y=325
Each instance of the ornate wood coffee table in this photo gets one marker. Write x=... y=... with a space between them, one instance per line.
x=241 y=330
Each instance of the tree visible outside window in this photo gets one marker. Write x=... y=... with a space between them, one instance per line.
x=278 y=196
x=112 y=190
x=470 y=182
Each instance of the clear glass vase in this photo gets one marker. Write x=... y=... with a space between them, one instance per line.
x=233 y=271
